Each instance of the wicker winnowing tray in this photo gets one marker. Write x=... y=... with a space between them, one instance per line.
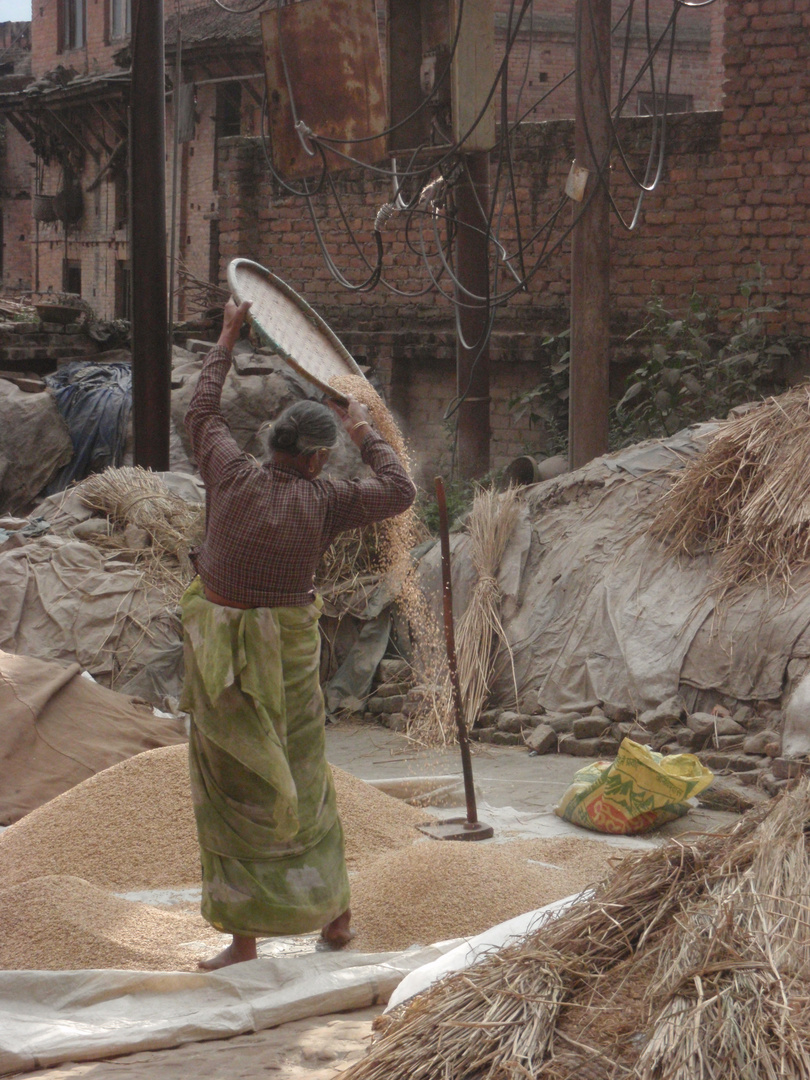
x=287 y=324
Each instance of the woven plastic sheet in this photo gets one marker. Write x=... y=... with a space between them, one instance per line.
x=47 y=1017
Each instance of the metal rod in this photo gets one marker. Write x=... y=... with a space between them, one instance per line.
x=450 y=642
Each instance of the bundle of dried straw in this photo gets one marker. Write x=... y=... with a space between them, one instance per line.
x=490 y=525
x=689 y=962
x=746 y=499
x=131 y=495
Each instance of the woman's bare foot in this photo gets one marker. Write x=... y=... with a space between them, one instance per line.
x=337 y=932
x=239 y=950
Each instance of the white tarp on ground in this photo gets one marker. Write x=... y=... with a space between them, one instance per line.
x=471 y=950
x=597 y=612
x=47 y=1017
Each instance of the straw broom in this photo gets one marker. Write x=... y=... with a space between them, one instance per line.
x=479 y=632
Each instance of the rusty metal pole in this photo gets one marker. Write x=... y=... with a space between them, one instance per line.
x=472 y=347
x=151 y=359
x=590 y=248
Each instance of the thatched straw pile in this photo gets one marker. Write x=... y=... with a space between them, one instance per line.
x=690 y=962
x=131 y=495
x=746 y=499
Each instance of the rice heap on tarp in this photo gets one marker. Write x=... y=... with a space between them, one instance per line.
x=689 y=962
x=98 y=877
x=745 y=500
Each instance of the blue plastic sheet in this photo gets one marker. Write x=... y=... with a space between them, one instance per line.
x=95 y=401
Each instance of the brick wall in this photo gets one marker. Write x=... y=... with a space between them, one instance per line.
x=697 y=67
x=734 y=192
x=16 y=176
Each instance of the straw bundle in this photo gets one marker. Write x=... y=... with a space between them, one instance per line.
x=746 y=499
x=480 y=632
x=690 y=962
x=490 y=525
x=132 y=495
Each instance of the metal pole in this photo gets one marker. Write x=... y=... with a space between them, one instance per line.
x=590 y=247
x=472 y=347
x=151 y=362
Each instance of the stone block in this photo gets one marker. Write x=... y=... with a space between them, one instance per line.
x=720 y=761
x=591 y=727
x=392 y=689
x=514 y=722
x=686 y=739
x=608 y=746
x=542 y=740
x=562 y=723
x=505 y=738
x=669 y=713
x=391 y=704
x=619 y=714
x=393 y=669
x=530 y=702
x=764 y=742
x=788 y=768
x=483 y=734
x=570 y=744
x=397 y=722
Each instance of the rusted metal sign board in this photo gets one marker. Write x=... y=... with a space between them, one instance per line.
x=327 y=52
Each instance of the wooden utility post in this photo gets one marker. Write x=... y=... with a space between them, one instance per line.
x=590 y=248
x=473 y=122
x=151 y=358
x=472 y=345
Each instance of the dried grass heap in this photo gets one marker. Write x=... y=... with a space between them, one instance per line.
x=690 y=962
x=131 y=495
x=746 y=499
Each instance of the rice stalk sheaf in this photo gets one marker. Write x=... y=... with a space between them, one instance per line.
x=716 y=926
x=745 y=499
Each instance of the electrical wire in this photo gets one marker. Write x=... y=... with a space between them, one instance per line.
x=447 y=159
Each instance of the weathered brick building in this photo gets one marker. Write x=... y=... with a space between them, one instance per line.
x=67 y=129
x=734 y=193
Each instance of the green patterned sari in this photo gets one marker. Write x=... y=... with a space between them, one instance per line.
x=271 y=844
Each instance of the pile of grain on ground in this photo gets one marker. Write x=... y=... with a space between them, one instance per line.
x=437 y=890
x=373 y=822
x=128 y=827
x=132 y=826
x=62 y=923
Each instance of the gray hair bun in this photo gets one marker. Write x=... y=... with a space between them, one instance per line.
x=302 y=427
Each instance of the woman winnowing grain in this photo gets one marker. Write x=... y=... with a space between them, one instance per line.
x=271 y=843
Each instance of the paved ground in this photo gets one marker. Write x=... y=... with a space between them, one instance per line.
x=515 y=793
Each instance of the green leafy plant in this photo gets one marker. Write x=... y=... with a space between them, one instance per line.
x=694 y=371
x=547 y=404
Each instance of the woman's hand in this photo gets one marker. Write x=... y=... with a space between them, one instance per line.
x=355 y=418
x=233 y=318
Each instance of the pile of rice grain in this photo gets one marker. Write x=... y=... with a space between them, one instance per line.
x=62 y=923
x=436 y=890
x=132 y=826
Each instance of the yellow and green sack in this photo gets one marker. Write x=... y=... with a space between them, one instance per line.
x=638 y=791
